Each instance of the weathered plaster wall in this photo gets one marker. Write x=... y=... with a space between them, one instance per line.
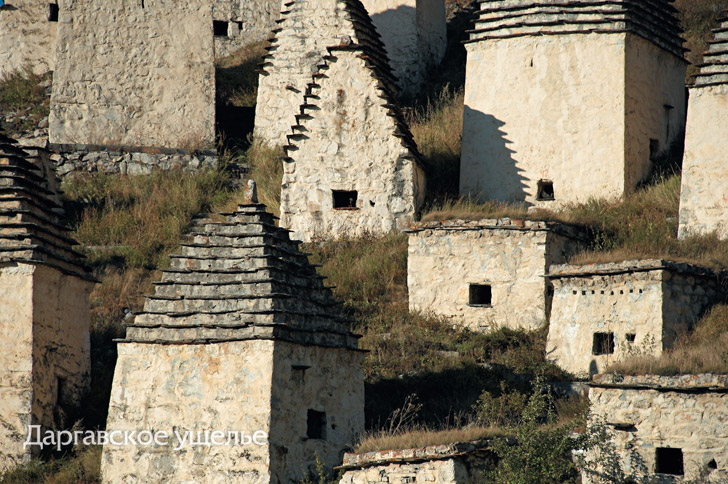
x=655 y=105
x=16 y=350
x=225 y=386
x=349 y=143
x=248 y=21
x=703 y=194
x=448 y=471
x=512 y=259
x=45 y=322
x=148 y=77
x=674 y=412
x=653 y=305
x=333 y=383
x=544 y=108
x=26 y=36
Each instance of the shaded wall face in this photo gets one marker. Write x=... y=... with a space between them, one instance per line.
x=655 y=106
x=209 y=387
x=135 y=73
x=61 y=343
x=16 y=364
x=692 y=422
x=349 y=146
x=397 y=23
x=442 y=265
x=432 y=32
x=703 y=194
x=686 y=299
x=26 y=36
x=544 y=108
x=626 y=308
x=327 y=381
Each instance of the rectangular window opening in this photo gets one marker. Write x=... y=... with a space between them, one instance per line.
x=630 y=337
x=603 y=344
x=53 y=12
x=669 y=461
x=219 y=28
x=60 y=390
x=545 y=190
x=345 y=199
x=480 y=295
x=316 y=425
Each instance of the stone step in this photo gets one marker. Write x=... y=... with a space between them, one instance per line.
x=241 y=276
x=267 y=302
x=240 y=290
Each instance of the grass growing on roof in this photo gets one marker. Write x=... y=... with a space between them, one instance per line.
x=704 y=350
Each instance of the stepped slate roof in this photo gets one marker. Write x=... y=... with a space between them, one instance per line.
x=653 y=20
x=31 y=228
x=354 y=23
x=379 y=69
x=714 y=69
x=241 y=279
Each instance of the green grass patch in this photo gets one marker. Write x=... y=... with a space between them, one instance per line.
x=21 y=92
x=82 y=467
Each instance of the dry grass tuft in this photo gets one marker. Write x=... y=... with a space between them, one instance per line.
x=236 y=76
x=705 y=350
x=266 y=168
x=424 y=437
x=21 y=92
x=466 y=209
x=437 y=128
x=697 y=18
x=82 y=468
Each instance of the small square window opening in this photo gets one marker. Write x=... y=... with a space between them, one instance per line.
x=219 y=28
x=669 y=461
x=545 y=190
x=603 y=344
x=480 y=295
x=344 y=199
x=316 y=425
x=53 y=12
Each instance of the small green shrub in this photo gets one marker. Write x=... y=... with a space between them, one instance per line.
x=504 y=410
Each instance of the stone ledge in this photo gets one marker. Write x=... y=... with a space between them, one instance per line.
x=703 y=381
x=504 y=223
x=637 y=265
x=433 y=452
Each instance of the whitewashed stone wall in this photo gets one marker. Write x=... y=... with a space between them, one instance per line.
x=652 y=300
x=457 y=463
x=248 y=21
x=26 y=36
x=44 y=337
x=510 y=256
x=245 y=386
x=576 y=110
x=350 y=138
x=648 y=412
x=703 y=194
x=148 y=77
x=414 y=33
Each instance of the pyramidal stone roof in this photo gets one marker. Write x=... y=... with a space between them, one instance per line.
x=654 y=20
x=379 y=69
x=241 y=279
x=349 y=19
x=714 y=69
x=31 y=229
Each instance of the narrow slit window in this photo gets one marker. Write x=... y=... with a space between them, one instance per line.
x=654 y=149
x=480 y=295
x=669 y=461
x=60 y=390
x=316 y=425
x=545 y=190
x=603 y=344
x=220 y=28
x=53 y=12
x=345 y=199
